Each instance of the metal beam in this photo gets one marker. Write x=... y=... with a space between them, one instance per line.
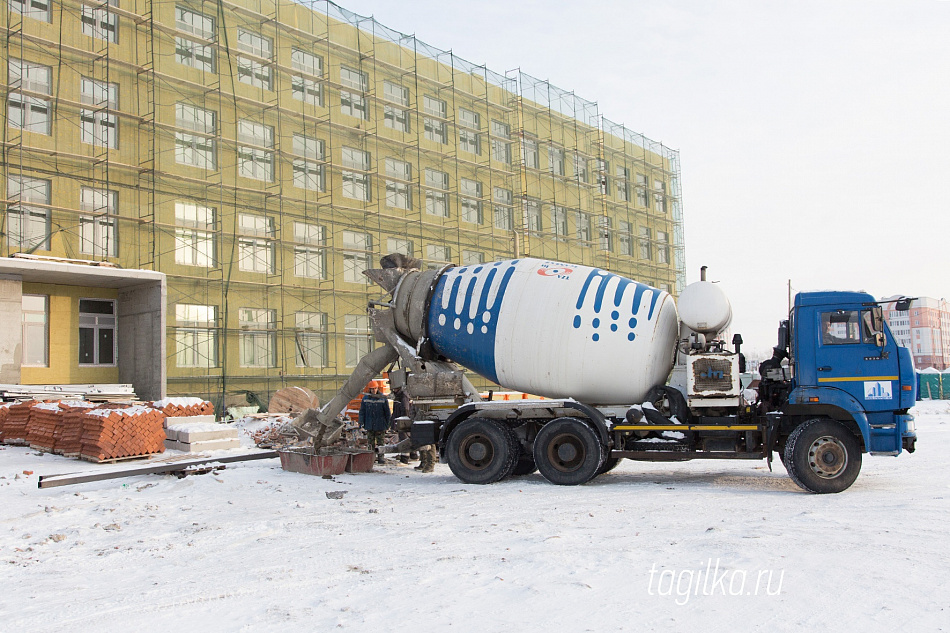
x=67 y=479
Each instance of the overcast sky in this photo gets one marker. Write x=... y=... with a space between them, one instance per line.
x=813 y=135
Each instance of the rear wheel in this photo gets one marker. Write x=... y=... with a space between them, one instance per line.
x=568 y=452
x=822 y=456
x=481 y=451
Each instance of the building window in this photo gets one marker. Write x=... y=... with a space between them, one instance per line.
x=643 y=199
x=35 y=331
x=583 y=225
x=500 y=145
x=471 y=205
x=35 y=9
x=28 y=227
x=469 y=138
x=646 y=246
x=623 y=189
x=309 y=252
x=399 y=191
x=256 y=72
x=357 y=338
x=603 y=168
x=196 y=339
x=396 y=118
x=255 y=160
x=97 y=232
x=310 y=338
x=100 y=126
x=580 y=168
x=357 y=256
x=529 y=153
x=100 y=23
x=438 y=255
x=356 y=184
x=472 y=258
x=559 y=220
x=256 y=248
x=353 y=102
x=28 y=112
x=194 y=235
x=258 y=337
x=532 y=214
x=662 y=247
x=97 y=332
x=502 y=209
x=606 y=234
x=308 y=174
x=659 y=196
x=306 y=89
x=435 y=128
x=625 y=238
x=556 y=160
x=197 y=146
x=194 y=54
x=437 y=197
x=188 y=51
x=399 y=245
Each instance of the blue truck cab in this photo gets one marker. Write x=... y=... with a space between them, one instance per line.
x=847 y=366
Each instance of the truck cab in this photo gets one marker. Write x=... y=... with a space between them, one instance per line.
x=846 y=365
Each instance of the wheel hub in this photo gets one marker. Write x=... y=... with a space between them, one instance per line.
x=566 y=452
x=827 y=457
x=476 y=452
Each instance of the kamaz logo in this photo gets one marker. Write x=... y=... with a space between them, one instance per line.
x=712 y=374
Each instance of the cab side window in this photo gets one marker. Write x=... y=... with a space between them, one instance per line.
x=840 y=327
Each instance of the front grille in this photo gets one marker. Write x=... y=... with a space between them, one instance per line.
x=712 y=374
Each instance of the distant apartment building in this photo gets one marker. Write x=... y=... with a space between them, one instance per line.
x=924 y=328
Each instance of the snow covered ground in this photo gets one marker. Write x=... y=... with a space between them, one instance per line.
x=704 y=546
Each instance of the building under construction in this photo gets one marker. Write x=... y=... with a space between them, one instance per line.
x=262 y=154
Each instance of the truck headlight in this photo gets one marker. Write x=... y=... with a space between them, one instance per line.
x=910 y=426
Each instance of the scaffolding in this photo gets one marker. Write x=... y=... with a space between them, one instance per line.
x=262 y=153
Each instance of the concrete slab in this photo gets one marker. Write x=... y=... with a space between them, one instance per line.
x=190 y=433
x=209 y=445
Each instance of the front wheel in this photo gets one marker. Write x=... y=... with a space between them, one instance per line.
x=568 y=452
x=822 y=456
x=481 y=451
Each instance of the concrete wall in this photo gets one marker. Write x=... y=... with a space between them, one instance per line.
x=141 y=339
x=11 y=334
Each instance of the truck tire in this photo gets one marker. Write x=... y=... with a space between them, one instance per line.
x=524 y=466
x=609 y=464
x=481 y=451
x=568 y=452
x=822 y=456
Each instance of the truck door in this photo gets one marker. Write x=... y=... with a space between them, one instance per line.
x=849 y=358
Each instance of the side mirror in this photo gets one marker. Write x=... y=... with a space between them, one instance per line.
x=877 y=319
x=783 y=334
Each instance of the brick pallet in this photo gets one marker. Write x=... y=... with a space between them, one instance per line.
x=183 y=407
x=15 y=428
x=45 y=419
x=111 y=434
x=4 y=412
x=69 y=440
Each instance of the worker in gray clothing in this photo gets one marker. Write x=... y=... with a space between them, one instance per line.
x=374 y=417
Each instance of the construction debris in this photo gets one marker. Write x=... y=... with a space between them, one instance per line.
x=91 y=392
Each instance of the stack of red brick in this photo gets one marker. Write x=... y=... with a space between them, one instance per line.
x=16 y=425
x=4 y=412
x=116 y=433
x=45 y=418
x=183 y=407
x=68 y=440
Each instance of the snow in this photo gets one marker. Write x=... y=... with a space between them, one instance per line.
x=178 y=402
x=645 y=547
x=133 y=410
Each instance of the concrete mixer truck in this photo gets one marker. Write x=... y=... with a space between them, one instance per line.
x=625 y=375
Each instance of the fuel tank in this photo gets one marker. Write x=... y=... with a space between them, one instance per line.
x=554 y=329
